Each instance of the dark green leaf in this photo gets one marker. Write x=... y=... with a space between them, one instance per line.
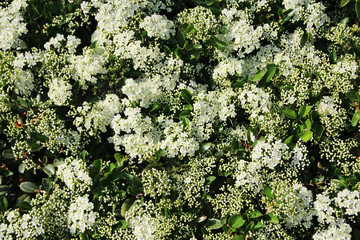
x=289 y=113
x=96 y=167
x=357 y=9
x=180 y=37
x=8 y=154
x=213 y=223
x=353 y=95
x=319 y=129
x=3 y=204
x=306 y=136
x=185 y=113
x=304 y=38
x=35 y=147
x=25 y=206
x=187 y=96
x=167 y=50
x=93 y=44
x=28 y=187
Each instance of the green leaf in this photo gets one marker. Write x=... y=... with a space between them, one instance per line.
x=306 y=136
x=8 y=154
x=187 y=96
x=353 y=95
x=258 y=225
x=197 y=46
x=258 y=76
x=83 y=154
x=267 y=192
x=304 y=38
x=167 y=50
x=271 y=218
x=270 y=73
x=289 y=113
x=308 y=124
x=210 y=179
x=49 y=169
x=238 y=237
x=356 y=234
x=24 y=205
x=319 y=129
x=235 y=221
x=123 y=224
x=21 y=168
x=127 y=205
x=357 y=9
x=304 y=111
x=185 y=113
x=255 y=214
x=205 y=146
x=344 y=2
x=3 y=204
x=339 y=183
x=213 y=223
x=35 y=147
x=180 y=38
x=94 y=44
x=28 y=187
x=333 y=57
x=215 y=42
x=355 y=118
x=96 y=167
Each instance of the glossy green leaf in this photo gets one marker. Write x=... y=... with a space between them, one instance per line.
x=255 y=214
x=8 y=154
x=35 y=147
x=355 y=118
x=304 y=38
x=94 y=44
x=127 y=205
x=180 y=37
x=28 y=187
x=318 y=131
x=344 y=3
x=24 y=205
x=267 y=192
x=357 y=9
x=333 y=57
x=21 y=168
x=3 y=203
x=123 y=224
x=306 y=136
x=289 y=113
x=235 y=221
x=304 y=111
x=308 y=124
x=270 y=217
x=213 y=223
x=49 y=169
x=187 y=96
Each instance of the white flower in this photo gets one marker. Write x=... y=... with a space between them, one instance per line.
x=81 y=215
x=59 y=91
x=158 y=26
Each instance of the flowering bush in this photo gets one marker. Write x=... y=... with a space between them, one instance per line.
x=179 y=119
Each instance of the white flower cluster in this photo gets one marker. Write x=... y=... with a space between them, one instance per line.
x=99 y=116
x=158 y=26
x=340 y=231
x=74 y=174
x=12 y=25
x=270 y=153
x=23 y=81
x=59 y=91
x=24 y=227
x=88 y=65
x=81 y=215
x=349 y=200
x=144 y=227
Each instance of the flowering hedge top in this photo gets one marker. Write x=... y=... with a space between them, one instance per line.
x=191 y=119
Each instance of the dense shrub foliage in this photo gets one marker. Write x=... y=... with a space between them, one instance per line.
x=179 y=119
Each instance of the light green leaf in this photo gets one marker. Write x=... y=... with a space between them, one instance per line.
x=306 y=136
x=344 y=2
x=304 y=111
x=355 y=118
x=49 y=169
x=126 y=206
x=272 y=218
x=235 y=221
